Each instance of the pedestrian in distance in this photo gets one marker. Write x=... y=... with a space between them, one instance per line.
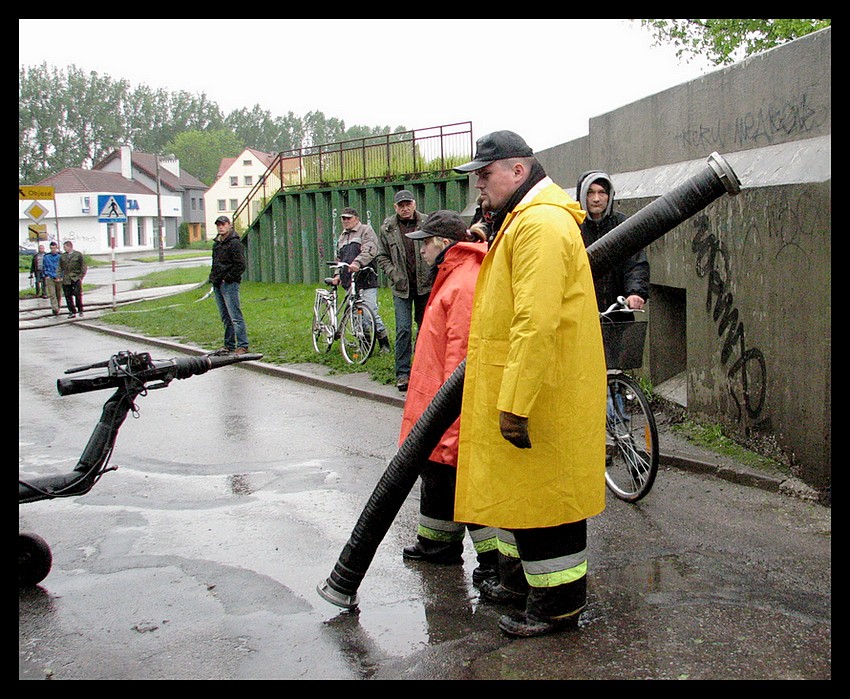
x=595 y=194
x=532 y=421
x=401 y=261
x=37 y=272
x=228 y=265
x=53 y=278
x=454 y=255
x=357 y=246
x=72 y=269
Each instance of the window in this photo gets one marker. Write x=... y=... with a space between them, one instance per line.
x=247 y=163
x=249 y=180
x=234 y=204
x=234 y=181
x=194 y=204
x=221 y=204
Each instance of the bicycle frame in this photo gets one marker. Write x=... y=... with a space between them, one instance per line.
x=347 y=319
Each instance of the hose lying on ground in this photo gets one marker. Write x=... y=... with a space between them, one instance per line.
x=635 y=233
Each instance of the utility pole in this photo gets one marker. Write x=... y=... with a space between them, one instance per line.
x=160 y=243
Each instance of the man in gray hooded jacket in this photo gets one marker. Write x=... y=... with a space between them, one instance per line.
x=595 y=194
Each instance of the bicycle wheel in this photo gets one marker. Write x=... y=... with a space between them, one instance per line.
x=323 y=321
x=359 y=330
x=631 y=447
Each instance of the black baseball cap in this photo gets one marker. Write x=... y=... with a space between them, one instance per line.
x=497 y=146
x=349 y=211
x=403 y=195
x=444 y=224
x=222 y=219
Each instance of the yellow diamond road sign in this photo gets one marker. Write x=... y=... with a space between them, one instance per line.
x=26 y=191
x=36 y=212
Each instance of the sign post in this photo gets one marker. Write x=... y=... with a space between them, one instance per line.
x=112 y=209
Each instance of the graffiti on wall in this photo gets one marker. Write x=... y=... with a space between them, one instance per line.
x=773 y=123
x=746 y=369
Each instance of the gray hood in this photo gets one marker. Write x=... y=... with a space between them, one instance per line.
x=587 y=179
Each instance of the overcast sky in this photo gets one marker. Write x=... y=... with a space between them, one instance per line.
x=543 y=78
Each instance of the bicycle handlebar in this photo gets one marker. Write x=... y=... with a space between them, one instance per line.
x=620 y=305
x=138 y=369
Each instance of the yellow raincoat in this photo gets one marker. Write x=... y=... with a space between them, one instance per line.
x=535 y=350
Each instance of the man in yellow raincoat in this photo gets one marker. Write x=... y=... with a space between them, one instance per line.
x=531 y=458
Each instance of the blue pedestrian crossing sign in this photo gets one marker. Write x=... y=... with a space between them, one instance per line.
x=112 y=208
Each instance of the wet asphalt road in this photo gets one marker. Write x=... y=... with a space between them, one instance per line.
x=236 y=492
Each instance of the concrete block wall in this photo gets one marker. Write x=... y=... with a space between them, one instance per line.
x=741 y=292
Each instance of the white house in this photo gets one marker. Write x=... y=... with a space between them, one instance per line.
x=73 y=212
x=236 y=178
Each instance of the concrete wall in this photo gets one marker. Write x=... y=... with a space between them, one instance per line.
x=741 y=291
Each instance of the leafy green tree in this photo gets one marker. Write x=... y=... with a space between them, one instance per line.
x=723 y=41
x=200 y=152
x=73 y=118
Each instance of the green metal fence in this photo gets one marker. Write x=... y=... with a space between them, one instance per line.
x=295 y=234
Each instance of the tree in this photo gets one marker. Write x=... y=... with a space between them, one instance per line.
x=200 y=152
x=723 y=41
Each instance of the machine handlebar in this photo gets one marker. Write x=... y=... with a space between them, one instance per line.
x=136 y=370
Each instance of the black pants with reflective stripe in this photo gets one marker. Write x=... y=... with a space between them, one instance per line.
x=436 y=505
x=554 y=560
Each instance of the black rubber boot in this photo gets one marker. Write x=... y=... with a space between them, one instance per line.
x=446 y=553
x=488 y=568
x=525 y=625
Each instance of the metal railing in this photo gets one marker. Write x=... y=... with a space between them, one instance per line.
x=401 y=155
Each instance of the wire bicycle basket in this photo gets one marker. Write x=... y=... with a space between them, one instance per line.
x=624 y=343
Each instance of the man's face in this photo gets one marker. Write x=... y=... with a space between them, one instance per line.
x=69 y=246
x=405 y=210
x=497 y=182
x=597 y=201
x=54 y=247
x=222 y=228
x=350 y=222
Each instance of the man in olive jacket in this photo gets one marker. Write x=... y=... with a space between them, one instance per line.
x=401 y=260
x=228 y=264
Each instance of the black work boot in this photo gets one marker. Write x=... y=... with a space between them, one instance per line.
x=384 y=344
x=444 y=552
x=525 y=625
x=488 y=568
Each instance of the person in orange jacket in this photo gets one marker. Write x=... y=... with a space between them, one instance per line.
x=454 y=254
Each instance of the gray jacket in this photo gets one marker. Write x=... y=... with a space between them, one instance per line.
x=391 y=258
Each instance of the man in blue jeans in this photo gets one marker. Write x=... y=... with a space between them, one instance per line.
x=228 y=264
x=400 y=259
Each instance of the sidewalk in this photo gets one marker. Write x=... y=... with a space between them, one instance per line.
x=675 y=451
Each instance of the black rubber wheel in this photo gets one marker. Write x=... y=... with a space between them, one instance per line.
x=34 y=559
x=631 y=452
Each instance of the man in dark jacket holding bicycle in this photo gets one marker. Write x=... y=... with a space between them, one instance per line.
x=228 y=265
x=595 y=194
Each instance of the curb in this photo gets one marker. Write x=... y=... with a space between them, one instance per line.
x=754 y=479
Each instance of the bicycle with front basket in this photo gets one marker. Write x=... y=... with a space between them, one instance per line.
x=631 y=447
x=349 y=320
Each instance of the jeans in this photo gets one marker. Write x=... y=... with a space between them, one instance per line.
x=40 y=287
x=74 y=293
x=370 y=298
x=404 y=315
x=230 y=310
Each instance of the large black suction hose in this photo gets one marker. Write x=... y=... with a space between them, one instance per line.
x=635 y=233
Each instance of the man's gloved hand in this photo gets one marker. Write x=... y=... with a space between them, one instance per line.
x=515 y=429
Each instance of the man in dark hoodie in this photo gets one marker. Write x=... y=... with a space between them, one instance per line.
x=595 y=194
